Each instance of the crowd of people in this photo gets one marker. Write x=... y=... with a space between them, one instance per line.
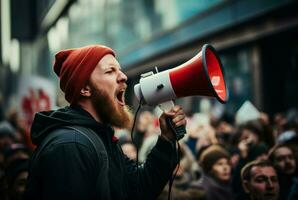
x=218 y=158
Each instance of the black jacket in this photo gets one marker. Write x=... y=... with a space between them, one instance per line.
x=69 y=166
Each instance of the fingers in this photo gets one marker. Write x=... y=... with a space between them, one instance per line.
x=174 y=110
x=179 y=120
x=177 y=115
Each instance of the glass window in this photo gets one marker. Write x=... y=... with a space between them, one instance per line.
x=238 y=76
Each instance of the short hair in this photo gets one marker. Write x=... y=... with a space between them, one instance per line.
x=246 y=170
x=271 y=154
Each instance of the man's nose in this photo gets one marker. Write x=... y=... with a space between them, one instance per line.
x=122 y=77
x=269 y=185
x=288 y=160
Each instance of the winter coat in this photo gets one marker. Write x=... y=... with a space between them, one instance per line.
x=213 y=189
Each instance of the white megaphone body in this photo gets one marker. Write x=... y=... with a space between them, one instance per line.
x=202 y=75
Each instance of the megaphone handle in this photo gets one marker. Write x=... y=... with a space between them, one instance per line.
x=179 y=131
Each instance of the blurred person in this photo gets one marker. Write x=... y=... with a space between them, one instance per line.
x=286 y=126
x=29 y=106
x=197 y=129
x=185 y=173
x=77 y=155
x=16 y=151
x=21 y=128
x=267 y=130
x=250 y=134
x=215 y=181
x=289 y=133
x=260 y=181
x=43 y=101
x=201 y=133
x=146 y=134
x=7 y=135
x=206 y=137
x=148 y=144
x=249 y=145
x=144 y=127
x=224 y=132
x=129 y=149
x=224 y=128
x=284 y=162
x=16 y=177
x=283 y=159
x=279 y=120
x=188 y=169
x=188 y=194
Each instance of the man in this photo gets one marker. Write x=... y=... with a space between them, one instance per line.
x=71 y=166
x=284 y=162
x=260 y=181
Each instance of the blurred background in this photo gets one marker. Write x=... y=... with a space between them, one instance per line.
x=256 y=40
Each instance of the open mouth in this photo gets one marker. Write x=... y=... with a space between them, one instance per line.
x=120 y=97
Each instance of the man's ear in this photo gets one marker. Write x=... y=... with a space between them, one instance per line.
x=245 y=185
x=86 y=91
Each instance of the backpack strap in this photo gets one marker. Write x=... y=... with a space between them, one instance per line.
x=92 y=137
x=44 y=144
x=98 y=146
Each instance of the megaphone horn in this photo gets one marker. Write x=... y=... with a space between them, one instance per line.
x=202 y=75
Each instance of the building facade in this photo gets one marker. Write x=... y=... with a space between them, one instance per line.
x=256 y=41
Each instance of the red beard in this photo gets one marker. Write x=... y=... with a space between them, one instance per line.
x=108 y=111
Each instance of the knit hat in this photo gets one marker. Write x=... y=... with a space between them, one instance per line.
x=74 y=67
x=210 y=155
x=6 y=130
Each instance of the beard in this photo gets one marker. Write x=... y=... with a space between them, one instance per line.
x=109 y=111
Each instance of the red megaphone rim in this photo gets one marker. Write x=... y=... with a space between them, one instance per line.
x=215 y=73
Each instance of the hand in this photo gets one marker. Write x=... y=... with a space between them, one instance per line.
x=178 y=117
x=243 y=148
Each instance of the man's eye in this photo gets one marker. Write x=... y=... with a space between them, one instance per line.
x=279 y=159
x=260 y=180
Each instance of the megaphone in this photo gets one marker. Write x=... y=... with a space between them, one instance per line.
x=202 y=75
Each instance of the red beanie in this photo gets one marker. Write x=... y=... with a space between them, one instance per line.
x=74 y=67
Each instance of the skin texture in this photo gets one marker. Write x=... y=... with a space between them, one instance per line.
x=130 y=150
x=221 y=170
x=284 y=160
x=263 y=184
x=103 y=98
